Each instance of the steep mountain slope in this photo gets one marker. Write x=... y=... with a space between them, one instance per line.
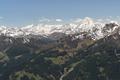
x=99 y=61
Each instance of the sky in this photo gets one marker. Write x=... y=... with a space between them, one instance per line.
x=23 y=12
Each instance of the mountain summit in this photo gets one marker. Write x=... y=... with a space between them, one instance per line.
x=87 y=21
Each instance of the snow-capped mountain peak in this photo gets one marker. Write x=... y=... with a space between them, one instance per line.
x=94 y=29
x=87 y=21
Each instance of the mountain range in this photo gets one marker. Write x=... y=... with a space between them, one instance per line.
x=85 y=50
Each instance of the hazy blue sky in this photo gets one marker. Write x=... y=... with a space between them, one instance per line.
x=21 y=12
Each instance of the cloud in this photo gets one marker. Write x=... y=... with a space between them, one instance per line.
x=99 y=20
x=59 y=20
x=1 y=17
x=78 y=20
x=44 y=20
x=108 y=19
